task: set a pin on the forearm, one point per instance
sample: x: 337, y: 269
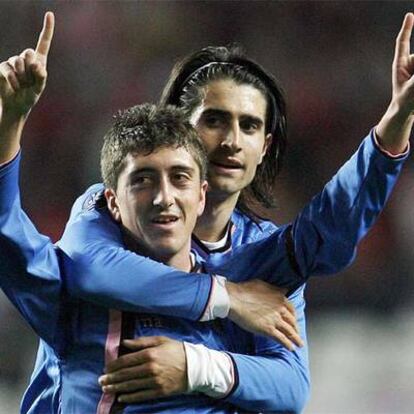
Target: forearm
x: 326, y: 233
x: 98, y: 268
x: 11, y: 128
x: 258, y: 374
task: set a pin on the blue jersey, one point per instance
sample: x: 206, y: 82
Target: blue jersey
x: 321, y: 240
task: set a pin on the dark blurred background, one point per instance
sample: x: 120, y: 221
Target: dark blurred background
x: 334, y: 62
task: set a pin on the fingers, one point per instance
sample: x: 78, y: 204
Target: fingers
x: 125, y: 361
x: 24, y: 71
x: 8, y: 78
x: 282, y: 339
x: 143, y: 342
x: 126, y: 374
x: 290, y: 315
x: 129, y: 386
x: 45, y: 37
x: 29, y: 58
x: 18, y: 65
x: 290, y: 333
x: 402, y: 46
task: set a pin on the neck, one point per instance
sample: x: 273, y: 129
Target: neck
x: 212, y: 225
x: 181, y: 260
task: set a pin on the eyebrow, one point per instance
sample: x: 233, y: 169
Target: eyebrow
x: 226, y: 114
x: 149, y: 170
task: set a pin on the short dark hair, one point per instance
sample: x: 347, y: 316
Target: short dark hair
x: 142, y: 129
x: 212, y: 63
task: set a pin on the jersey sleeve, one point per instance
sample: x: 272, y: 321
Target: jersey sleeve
x: 29, y: 263
x: 99, y: 269
x: 324, y: 236
x: 273, y: 379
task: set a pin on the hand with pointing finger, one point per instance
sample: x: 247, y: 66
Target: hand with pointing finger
x: 23, y: 77
x: 22, y: 81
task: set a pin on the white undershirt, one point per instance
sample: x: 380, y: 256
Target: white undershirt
x: 208, y: 371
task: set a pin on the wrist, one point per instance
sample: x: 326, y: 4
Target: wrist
x: 12, y: 120
x: 393, y: 130
x: 209, y: 371
x: 235, y: 300
x: 11, y: 128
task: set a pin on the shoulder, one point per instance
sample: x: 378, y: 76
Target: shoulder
x: 248, y: 229
x: 93, y: 198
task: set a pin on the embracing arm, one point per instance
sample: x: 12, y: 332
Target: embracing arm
x: 98, y: 268
x: 268, y: 379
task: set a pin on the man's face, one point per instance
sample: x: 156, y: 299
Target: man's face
x: 158, y: 199
x: 231, y: 122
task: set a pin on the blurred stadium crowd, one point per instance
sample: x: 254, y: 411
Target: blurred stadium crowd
x: 334, y: 61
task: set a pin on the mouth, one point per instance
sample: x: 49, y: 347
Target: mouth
x: 229, y: 164
x: 226, y: 167
x: 165, y: 221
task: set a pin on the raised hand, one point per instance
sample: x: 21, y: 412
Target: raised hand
x: 156, y: 369
x: 263, y: 309
x: 22, y: 81
x: 23, y: 77
x: 394, y: 129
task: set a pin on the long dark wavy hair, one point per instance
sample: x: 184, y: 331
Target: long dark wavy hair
x: 184, y: 89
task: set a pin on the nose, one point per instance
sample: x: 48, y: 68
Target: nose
x: 232, y: 138
x: 164, y: 196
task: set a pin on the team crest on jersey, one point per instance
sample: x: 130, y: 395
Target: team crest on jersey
x: 94, y: 200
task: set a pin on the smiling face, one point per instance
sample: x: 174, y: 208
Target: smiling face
x: 231, y: 122
x: 158, y: 199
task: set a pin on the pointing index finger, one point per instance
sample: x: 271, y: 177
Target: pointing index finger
x: 402, y: 47
x: 46, y: 35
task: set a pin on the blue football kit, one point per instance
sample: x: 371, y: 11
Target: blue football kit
x: 88, y: 293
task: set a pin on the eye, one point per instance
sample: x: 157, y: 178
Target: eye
x: 249, y: 126
x: 213, y: 121
x: 181, y: 178
x: 141, y: 180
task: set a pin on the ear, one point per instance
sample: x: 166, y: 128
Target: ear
x: 202, y: 203
x: 112, y: 204
x: 266, y: 146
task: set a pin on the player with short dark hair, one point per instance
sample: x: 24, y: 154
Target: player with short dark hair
x: 157, y: 128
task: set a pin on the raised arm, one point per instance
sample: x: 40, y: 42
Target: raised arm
x: 29, y: 264
x: 324, y: 236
